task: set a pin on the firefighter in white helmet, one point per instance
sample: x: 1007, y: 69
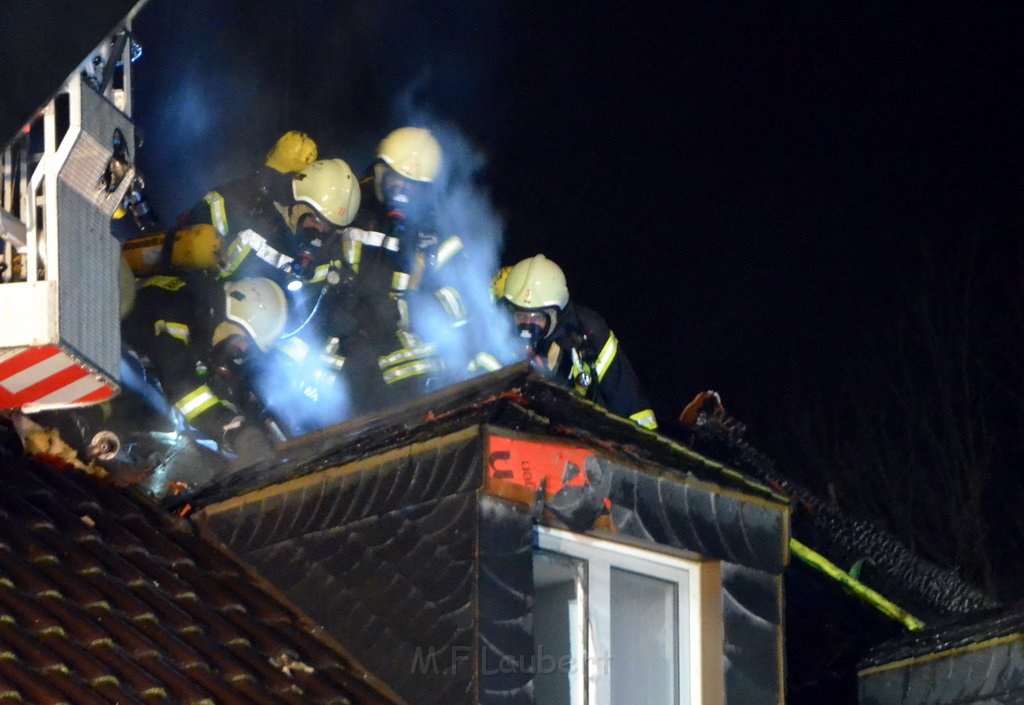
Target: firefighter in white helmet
x: 199, y: 340
x: 572, y: 342
x: 408, y: 301
x: 324, y: 197
x: 294, y: 251
x: 271, y: 221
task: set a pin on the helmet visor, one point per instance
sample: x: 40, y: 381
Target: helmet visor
x: 530, y: 320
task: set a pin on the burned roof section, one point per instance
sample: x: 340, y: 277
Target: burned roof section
x: 928, y: 591
x: 516, y: 398
x: 105, y: 598
x: 950, y: 634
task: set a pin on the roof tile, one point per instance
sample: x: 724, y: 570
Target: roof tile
x: 104, y: 597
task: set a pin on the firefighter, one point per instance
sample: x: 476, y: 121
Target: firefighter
x: 285, y: 242
x: 408, y: 301
x: 278, y: 240
x: 199, y: 340
x: 262, y: 217
x: 571, y: 342
x: 250, y: 199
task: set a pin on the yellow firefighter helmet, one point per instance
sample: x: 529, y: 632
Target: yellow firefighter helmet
x: 330, y: 187
x: 498, y: 284
x: 259, y: 306
x: 292, y: 153
x: 194, y: 247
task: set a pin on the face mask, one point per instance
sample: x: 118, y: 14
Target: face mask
x: 531, y: 326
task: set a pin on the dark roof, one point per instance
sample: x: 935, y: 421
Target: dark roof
x: 105, y: 598
x: 516, y: 398
x: 521, y: 399
x: 952, y: 633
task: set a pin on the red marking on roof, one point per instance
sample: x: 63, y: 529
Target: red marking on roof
x: 527, y: 463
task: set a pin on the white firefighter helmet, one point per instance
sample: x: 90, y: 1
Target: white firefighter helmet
x: 412, y: 152
x: 331, y: 188
x: 259, y: 306
x: 536, y: 282
x: 537, y: 285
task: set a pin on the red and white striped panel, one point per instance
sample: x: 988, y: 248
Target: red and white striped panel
x: 46, y: 377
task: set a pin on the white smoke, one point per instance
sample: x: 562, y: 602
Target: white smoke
x: 464, y: 208
x: 304, y: 397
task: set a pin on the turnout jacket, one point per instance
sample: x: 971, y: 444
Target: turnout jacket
x: 170, y: 328
x: 407, y: 287
x: 584, y: 352
x: 258, y: 241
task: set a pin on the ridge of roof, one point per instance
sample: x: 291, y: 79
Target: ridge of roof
x: 515, y: 397
x: 949, y: 635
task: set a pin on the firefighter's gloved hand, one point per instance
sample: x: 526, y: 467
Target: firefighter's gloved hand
x: 482, y: 363
x: 251, y: 443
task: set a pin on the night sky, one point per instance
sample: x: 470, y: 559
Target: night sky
x: 739, y: 190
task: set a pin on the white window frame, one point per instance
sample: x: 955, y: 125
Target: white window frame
x: 698, y: 610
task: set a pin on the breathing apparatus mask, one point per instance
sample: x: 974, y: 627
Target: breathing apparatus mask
x: 532, y: 326
x: 230, y: 362
x: 309, y: 244
x: 403, y: 197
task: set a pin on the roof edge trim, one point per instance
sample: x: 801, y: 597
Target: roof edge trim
x: 938, y: 655
x: 332, y: 471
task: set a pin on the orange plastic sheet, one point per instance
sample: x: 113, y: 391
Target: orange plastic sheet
x: 526, y: 463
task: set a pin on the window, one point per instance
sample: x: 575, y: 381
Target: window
x: 619, y: 625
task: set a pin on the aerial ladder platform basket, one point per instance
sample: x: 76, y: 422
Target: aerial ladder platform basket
x: 64, y: 175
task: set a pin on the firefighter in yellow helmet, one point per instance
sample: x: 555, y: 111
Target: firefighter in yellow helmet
x: 572, y: 342
x: 199, y: 340
x: 253, y: 195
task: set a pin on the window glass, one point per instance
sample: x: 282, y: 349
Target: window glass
x: 612, y: 624
x: 644, y: 639
x: 559, y: 636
